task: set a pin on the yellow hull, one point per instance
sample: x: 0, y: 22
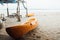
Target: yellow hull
x: 19, y: 30
x: 30, y: 14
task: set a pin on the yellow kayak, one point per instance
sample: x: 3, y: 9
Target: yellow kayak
x: 30, y: 14
x: 20, y: 30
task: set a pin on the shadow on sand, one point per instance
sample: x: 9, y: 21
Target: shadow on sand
x: 6, y: 37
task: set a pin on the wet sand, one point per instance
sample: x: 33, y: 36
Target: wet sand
x: 48, y: 28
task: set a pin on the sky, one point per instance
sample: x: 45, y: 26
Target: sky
x: 36, y: 4
x: 44, y: 4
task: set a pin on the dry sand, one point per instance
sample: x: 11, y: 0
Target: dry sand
x: 48, y: 28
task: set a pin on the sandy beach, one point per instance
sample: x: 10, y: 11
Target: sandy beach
x: 48, y: 28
